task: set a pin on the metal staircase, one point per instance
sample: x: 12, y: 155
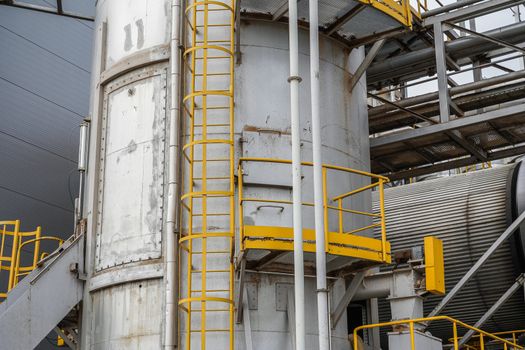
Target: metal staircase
x: 41, y: 300
x: 208, y: 225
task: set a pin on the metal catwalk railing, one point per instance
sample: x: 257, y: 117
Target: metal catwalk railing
x: 410, y: 325
x: 206, y: 244
x: 342, y: 241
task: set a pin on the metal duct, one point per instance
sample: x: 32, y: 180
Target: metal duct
x: 468, y: 211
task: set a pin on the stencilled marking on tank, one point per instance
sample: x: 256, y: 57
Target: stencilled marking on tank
x: 127, y: 42
x: 140, y: 33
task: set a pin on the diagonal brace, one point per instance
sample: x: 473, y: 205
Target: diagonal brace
x: 347, y: 298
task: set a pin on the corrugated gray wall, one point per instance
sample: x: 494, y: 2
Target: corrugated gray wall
x: 44, y: 95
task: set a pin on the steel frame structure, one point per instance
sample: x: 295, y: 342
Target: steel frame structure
x: 456, y: 125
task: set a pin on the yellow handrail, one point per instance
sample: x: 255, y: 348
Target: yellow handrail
x: 507, y: 345
x: 340, y: 209
x: 26, y: 270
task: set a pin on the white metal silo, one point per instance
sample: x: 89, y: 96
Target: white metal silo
x: 172, y: 117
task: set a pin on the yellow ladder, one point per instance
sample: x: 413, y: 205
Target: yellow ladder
x: 206, y: 244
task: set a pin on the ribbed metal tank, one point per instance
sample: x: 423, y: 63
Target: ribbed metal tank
x: 127, y: 178
x: 468, y: 212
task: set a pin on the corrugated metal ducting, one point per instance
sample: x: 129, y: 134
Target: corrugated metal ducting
x: 468, y: 212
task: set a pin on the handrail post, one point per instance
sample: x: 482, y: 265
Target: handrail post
x: 14, y: 251
x: 455, y: 332
x: 412, y: 340
x: 340, y: 206
x: 383, y: 219
x: 241, y: 211
x: 481, y: 342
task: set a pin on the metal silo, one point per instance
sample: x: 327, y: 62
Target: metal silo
x: 468, y: 212
x: 177, y: 119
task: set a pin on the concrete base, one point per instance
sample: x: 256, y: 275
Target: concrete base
x: 401, y: 341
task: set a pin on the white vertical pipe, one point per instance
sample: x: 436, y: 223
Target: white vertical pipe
x: 294, y: 80
x: 170, y: 326
x: 320, y: 253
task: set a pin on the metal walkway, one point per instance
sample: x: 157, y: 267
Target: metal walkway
x: 43, y: 298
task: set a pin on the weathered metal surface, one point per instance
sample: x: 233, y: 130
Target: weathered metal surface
x: 123, y: 300
x: 468, y: 212
x: 132, y: 169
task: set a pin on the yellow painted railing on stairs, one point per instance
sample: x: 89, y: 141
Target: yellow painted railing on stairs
x: 13, y: 243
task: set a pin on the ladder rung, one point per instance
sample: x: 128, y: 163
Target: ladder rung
x: 212, y: 74
x: 226, y: 41
x: 213, y: 252
x: 212, y: 310
x: 211, y: 178
x: 211, y: 291
x: 211, y: 125
x: 212, y: 160
x: 219, y: 9
x: 214, y: 58
x: 213, y: 107
x: 214, y: 25
x: 211, y: 271
x: 217, y: 330
x: 213, y: 214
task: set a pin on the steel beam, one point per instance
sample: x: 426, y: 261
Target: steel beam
x: 454, y: 163
x: 347, y: 298
x: 517, y: 110
x: 477, y: 266
x: 502, y: 300
x: 366, y: 63
x: 487, y: 37
x: 476, y: 151
x: 477, y: 9
x: 341, y: 21
x: 281, y: 10
x: 441, y: 70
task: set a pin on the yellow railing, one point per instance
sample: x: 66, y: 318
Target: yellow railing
x: 474, y: 344
x: 483, y: 336
x: 400, y: 10
x: 11, y: 258
x: 334, y: 240
x: 21, y: 271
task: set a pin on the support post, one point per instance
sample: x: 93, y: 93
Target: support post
x: 441, y: 71
x: 294, y: 80
x: 320, y: 241
x: 474, y: 269
x: 347, y: 298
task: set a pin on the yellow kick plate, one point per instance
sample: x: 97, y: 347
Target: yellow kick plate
x: 281, y: 238
x: 434, y: 265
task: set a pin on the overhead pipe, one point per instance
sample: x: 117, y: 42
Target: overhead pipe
x: 320, y: 252
x: 448, y: 8
x: 294, y: 80
x: 416, y: 64
x: 170, y: 326
x: 413, y: 101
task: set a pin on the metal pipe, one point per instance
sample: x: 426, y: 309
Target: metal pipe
x: 170, y: 326
x: 82, y: 165
x: 409, y: 102
x: 416, y: 64
x: 294, y: 80
x: 448, y: 8
x: 474, y: 269
x: 320, y: 251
